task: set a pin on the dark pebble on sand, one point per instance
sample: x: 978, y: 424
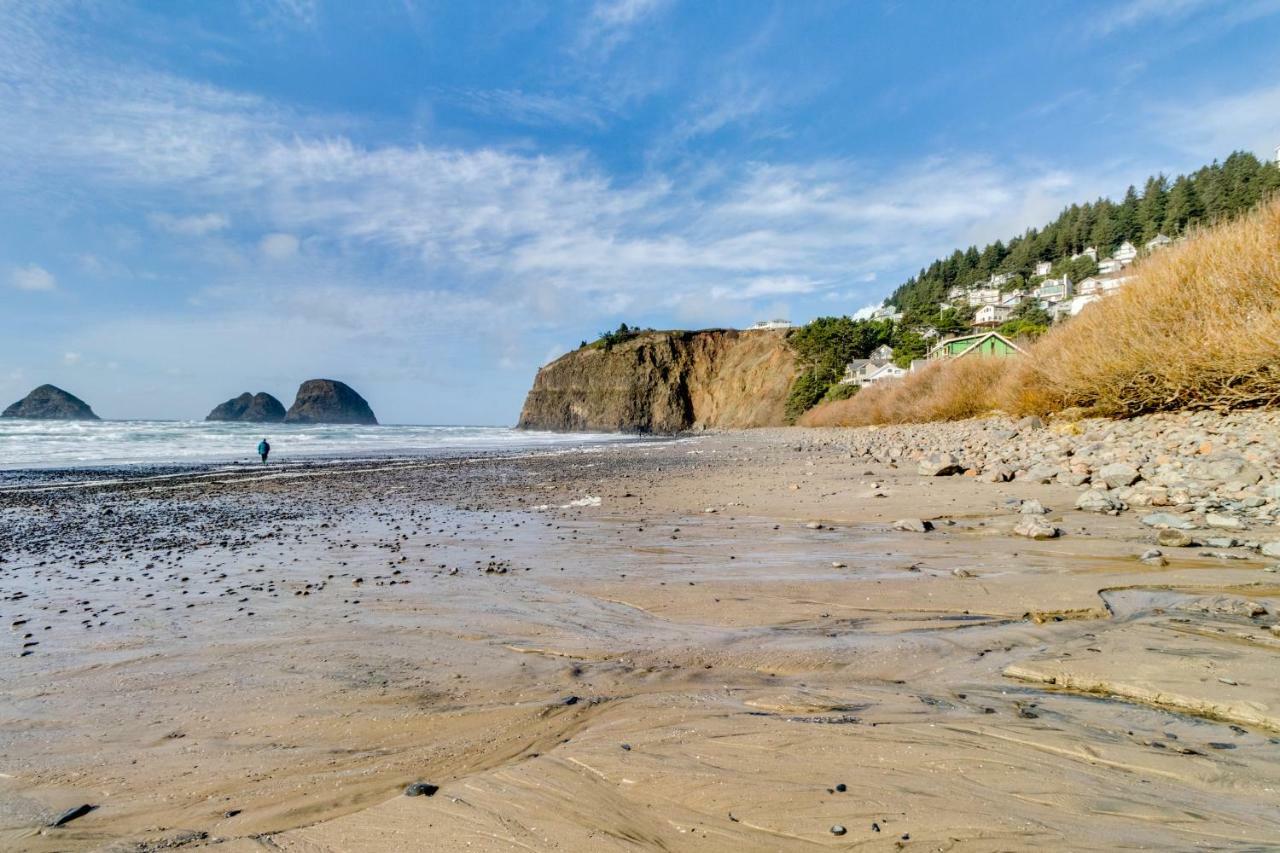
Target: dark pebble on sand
x: 842, y: 787
x: 421, y: 789
x: 73, y: 813
x: 570, y: 700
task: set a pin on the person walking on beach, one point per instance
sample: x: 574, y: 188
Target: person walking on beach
x: 263, y: 450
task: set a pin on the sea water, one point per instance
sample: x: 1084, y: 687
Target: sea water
x: 74, y: 444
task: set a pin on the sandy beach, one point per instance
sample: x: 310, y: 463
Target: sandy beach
x: 719, y: 642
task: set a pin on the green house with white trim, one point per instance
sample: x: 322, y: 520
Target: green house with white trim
x: 980, y: 343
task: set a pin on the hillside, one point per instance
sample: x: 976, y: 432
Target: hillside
x: 1198, y: 327
x: 1214, y: 193
x: 662, y: 382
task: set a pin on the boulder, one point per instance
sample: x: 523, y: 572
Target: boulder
x: 260, y: 408
x: 1223, y: 521
x: 328, y: 401
x: 1035, y: 527
x: 1118, y: 475
x: 913, y: 525
x: 48, y: 403
x: 1097, y: 500
x: 939, y: 465
x: 1173, y: 538
x: 1168, y: 520
x: 1271, y: 549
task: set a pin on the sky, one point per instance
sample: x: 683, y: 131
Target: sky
x: 428, y: 200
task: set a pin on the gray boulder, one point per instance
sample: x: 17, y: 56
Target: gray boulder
x: 49, y: 403
x: 1118, y: 474
x: 328, y: 401
x: 939, y: 465
x: 1168, y: 519
x: 1097, y: 500
x: 1035, y: 527
x: 260, y: 408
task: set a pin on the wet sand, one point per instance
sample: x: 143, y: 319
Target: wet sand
x: 256, y: 662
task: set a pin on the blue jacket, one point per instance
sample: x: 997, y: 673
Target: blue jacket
x: 263, y: 447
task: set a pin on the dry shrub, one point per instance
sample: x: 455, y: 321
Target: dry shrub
x: 942, y: 391
x: 1197, y: 327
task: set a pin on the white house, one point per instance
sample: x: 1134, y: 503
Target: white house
x: 884, y: 352
x: 984, y: 296
x: 1110, y: 265
x: 884, y: 373
x: 770, y: 324
x: 1091, y: 253
x: 1126, y: 253
x: 956, y: 294
x: 998, y: 279
x: 1101, y: 285
x: 929, y: 333
x: 992, y: 315
x: 1053, y: 290
x: 1014, y: 298
x: 1158, y: 242
x: 1044, y: 268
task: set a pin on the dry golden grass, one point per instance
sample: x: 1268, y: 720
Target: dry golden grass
x: 1197, y: 327
x: 943, y: 391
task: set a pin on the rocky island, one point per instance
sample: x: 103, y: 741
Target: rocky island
x: 50, y: 403
x: 666, y: 382
x: 328, y: 401
x: 261, y: 408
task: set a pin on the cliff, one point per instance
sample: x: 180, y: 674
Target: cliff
x: 259, y: 408
x: 666, y: 382
x: 50, y: 403
x: 328, y: 401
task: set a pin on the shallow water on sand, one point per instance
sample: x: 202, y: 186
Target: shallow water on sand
x: 59, y: 444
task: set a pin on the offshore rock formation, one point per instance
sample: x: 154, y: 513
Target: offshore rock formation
x: 666, y: 382
x: 328, y: 401
x: 49, y: 403
x: 260, y: 408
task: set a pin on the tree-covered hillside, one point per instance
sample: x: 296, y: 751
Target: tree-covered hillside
x: 1216, y: 192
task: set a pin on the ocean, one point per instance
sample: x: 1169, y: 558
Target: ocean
x: 27, y: 444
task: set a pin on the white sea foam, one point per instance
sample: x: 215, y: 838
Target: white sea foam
x: 66, y: 444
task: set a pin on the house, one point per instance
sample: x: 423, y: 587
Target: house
x: 887, y: 312
x: 1091, y: 253
x: 1044, y: 268
x: 1000, y: 279
x: 984, y: 296
x: 884, y: 352
x: 956, y: 294
x: 770, y: 324
x: 884, y: 373
x: 1126, y: 253
x: 1053, y: 290
x: 1013, y: 298
x: 1109, y: 265
x: 929, y: 333
x: 992, y: 315
x: 1101, y: 285
x: 979, y: 343
x: 1158, y: 242
x: 859, y: 370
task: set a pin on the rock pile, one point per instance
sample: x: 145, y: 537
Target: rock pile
x: 1186, y: 471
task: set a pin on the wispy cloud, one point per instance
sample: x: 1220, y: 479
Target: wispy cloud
x: 1209, y: 125
x: 612, y: 22
x: 196, y: 225
x: 534, y: 109
x: 33, y: 277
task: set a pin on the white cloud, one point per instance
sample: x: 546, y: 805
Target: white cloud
x: 611, y: 23
x: 1212, y: 126
x: 278, y: 247
x: 33, y: 277
x: 71, y: 358
x: 535, y: 109
x: 196, y: 225
x: 1144, y: 12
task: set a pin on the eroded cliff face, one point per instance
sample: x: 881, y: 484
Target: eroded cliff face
x: 666, y: 382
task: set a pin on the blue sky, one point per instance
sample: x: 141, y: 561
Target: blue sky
x: 428, y: 200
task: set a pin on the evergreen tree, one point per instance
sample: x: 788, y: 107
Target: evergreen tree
x: 1182, y: 208
x: 1151, y: 208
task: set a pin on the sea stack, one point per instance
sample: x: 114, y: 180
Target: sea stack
x: 260, y: 408
x: 328, y: 401
x: 49, y: 403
